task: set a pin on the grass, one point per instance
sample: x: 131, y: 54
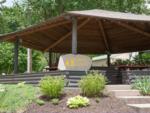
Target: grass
x: 15, y: 98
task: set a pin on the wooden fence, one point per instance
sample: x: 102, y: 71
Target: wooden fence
x: 113, y: 74
x: 72, y: 77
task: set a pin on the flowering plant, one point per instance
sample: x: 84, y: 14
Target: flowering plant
x: 78, y: 101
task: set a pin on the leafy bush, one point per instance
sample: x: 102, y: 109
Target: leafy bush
x: 21, y: 84
x: 52, y: 86
x: 55, y: 101
x: 142, y: 84
x: 92, y: 84
x: 40, y: 102
x: 78, y: 101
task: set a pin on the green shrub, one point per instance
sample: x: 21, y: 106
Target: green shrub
x: 52, y: 86
x: 55, y: 101
x: 92, y: 84
x: 21, y: 84
x: 78, y: 101
x: 142, y: 84
x: 40, y: 102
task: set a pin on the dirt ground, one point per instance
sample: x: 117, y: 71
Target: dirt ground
x: 106, y: 104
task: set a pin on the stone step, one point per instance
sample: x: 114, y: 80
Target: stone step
x: 141, y: 108
x: 73, y: 80
x: 118, y: 87
x: 75, y: 77
x: 125, y: 92
x: 135, y: 99
x: 73, y: 85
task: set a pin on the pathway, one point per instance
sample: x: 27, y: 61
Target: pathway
x: 131, y: 97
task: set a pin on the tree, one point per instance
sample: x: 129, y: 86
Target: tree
x: 14, y: 19
x: 143, y: 59
x: 2, y: 1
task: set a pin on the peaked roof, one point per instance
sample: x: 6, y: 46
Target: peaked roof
x: 112, y: 15
x: 99, y: 31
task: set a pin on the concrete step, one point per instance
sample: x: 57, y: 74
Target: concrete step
x: 75, y: 77
x: 118, y: 87
x: 135, y: 99
x: 73, y: 85
x: 74, y: 81
x: 125, y: 92
x: 141, y: 108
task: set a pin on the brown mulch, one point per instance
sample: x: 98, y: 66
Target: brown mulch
x: 107, y: 104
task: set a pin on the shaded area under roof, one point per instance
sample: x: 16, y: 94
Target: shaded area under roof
x: 99, y: 31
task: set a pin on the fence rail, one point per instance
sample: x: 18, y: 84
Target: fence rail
x: 114, y: 76
x: 72, y: 76
x: 34, y: 78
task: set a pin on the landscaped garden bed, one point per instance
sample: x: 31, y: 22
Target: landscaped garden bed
x: 105, y: 104
x: 90, y: 97
x: 52, y: 97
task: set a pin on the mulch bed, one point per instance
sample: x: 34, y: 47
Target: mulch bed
x: 107, y: 104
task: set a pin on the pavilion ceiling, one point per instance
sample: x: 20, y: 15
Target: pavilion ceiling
x: 99, y: 31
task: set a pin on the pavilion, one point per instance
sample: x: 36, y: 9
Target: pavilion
x: 85, y: 32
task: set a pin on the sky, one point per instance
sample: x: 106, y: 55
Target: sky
x: 9, y: 2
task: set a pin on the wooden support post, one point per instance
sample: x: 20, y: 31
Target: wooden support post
x: 50, y: 59
x: 74, y: 35
x: 108, y: 59
x: 16, y: 53
x: 29, y: 60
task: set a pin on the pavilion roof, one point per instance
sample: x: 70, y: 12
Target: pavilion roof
x: 99, y: 31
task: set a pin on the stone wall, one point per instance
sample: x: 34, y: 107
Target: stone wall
x: 129, y: 76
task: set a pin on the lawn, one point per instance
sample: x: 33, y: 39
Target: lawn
x: 16, y: 97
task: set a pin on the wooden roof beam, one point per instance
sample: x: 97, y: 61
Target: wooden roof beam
x: 31, y: 30
x: 104, y: 35
x: 36, y: 28
x: 66, y: 36
x: 30, y: 44
x: 132, y: 28
x: 46, y: 36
